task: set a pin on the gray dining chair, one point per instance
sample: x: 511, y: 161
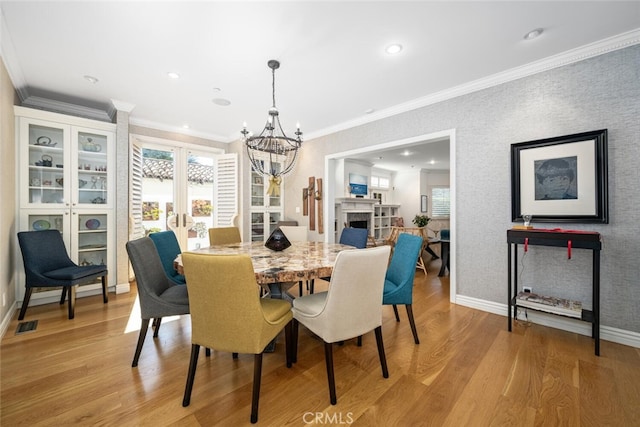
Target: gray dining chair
x: 159, y: 296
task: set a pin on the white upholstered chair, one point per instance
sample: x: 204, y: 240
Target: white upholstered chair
x: 350, y: 308
x: 295, y: 233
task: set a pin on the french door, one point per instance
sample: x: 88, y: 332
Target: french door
x: 187, y: 189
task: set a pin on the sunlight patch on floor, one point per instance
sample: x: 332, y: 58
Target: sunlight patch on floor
x: 135, y: 319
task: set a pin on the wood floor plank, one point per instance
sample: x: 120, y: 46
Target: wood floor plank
x: 467, y: 370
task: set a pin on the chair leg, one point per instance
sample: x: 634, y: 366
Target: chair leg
x: 300, y: 287
x: 72, y: 301
x: 105, y: 296
x: 359, y: 340
x: 156, y: 323
x: 25, y: 302
x: 294, y: 341
x: 288, y: 339
x: 395, y: 311
x: 193, y: 364
x: 234, y: 356
x: 207, y: 352
x: 328, y: 356
x: 64, y: 295
x: 257, y: 375
x: 383, y: 358
x: 313, y: 282
x: 143, y: 333
x: 412, y: 323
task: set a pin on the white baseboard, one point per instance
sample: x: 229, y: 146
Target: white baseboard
x: 7, y: 319
x: 123, y: 288
x: 607, y: 333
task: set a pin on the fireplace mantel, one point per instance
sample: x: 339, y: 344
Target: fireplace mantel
x: 350, y: 209
x: 354, y: 204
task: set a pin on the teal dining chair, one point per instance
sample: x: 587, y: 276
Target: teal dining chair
x: 398, y: 284
x: 168, y: 248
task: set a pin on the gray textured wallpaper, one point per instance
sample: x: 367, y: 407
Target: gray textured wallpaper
x: 597, y: 93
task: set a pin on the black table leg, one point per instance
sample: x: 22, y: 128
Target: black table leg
x: 444, y: 245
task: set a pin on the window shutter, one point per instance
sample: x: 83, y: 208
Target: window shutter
x: 225, y: 205
x: 136, y: 230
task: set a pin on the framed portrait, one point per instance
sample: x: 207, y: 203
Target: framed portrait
x: 561, y: 179
x: 423, y: 203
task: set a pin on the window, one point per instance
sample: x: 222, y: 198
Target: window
x: 379, y: 182
x: 440, y: 202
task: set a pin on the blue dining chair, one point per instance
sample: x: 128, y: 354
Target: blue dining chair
x: 47, y: 265
x: 398, y: 284
x: 168, y: 248
x: 356, y: 237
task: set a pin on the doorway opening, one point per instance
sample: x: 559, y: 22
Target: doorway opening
x: 332, y: 166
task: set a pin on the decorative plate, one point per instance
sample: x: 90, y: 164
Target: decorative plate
x: 92, y: 224
x: 41, y: 224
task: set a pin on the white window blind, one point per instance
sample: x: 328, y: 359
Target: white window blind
x: 440, y: 202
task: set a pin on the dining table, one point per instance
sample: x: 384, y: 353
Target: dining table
x: 277, y: 271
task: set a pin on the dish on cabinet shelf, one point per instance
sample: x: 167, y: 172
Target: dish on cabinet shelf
x: 92, y: 224
x: 45, y: 141
x: 41, y: 224
x: 94, y: 246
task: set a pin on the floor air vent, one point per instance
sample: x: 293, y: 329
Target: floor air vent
x: 25, y: 327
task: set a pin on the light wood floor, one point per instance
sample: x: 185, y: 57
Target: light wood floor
x: 467, y: 371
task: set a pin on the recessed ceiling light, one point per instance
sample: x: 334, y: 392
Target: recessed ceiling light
x: 221, y: 101
x: 91, y: 79
x: 173, y: 75
x: 393, y: 49
x: 533, y: 34
x: 406, y: 153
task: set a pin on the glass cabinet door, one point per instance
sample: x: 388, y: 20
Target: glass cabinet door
x: 263, y: 224
x: 257, y: 189
x: 92, y: 238
x: 46, y: 169
x: 91, y: 162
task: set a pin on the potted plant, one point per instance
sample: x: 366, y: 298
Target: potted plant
x: 421, y: 220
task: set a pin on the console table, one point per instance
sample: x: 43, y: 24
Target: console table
x: 568, y: 239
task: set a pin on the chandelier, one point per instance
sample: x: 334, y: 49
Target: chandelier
x: 272, y: 153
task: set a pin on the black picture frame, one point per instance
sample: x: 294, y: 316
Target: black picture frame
x: 561, y: 179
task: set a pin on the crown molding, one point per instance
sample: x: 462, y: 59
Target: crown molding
x: 180, y: 130
x: 582, y: 53
x: 66, y: 108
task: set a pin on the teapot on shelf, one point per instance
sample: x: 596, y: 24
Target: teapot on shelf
x: 91, y: 146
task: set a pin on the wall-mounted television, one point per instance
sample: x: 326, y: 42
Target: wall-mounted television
x: 358, y: 184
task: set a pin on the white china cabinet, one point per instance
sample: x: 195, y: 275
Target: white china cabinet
x: 266, y: 208
x: 67, y: 182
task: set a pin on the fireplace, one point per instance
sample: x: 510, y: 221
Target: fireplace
x: 356, y: 213
x: 358, y: 224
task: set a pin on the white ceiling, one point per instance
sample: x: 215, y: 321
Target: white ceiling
x: 334, y: 67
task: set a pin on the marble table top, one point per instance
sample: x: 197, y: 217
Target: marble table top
x: 301, y: 261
